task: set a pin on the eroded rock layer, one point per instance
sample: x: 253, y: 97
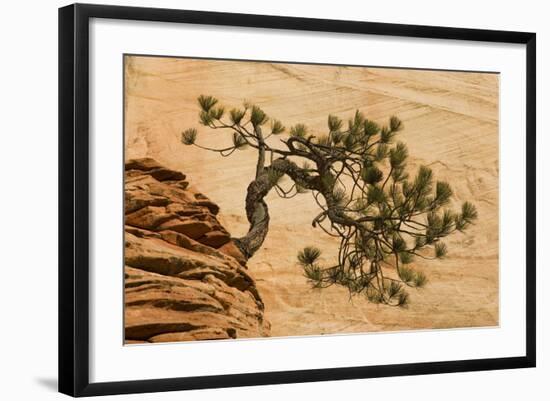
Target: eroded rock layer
x: 184, y: 277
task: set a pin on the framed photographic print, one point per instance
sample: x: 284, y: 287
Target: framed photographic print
x: 249, y: 199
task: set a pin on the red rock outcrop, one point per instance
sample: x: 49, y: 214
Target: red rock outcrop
x: 184, y: 277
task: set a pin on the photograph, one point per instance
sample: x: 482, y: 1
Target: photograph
x: 266, y: 201
x: 280, y: 199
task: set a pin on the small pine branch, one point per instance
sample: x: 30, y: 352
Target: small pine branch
x: 406, y: 274
x: 334, y: 123
x: 309, y: 255
x: 403, y: 300
x: 299, y: 130
x: 394, y: 289
x: 399, y: 244
x: 373, y: 295
x: 336, y: 137
x: 398, y: 155
x: 314, y: 274
x: 443, y: 192
x: 440, y: 250
x: 339, y: 195
x: 423, y: 180
x: 258, y: 116
x: 372, y: 175
x: 381, y: 152
x: 217, y: 113
x: 395, y: 124
x: 371, y: 128
x: 420, y: 279
x: 205, y: 118
x: 207, y: 102
x: 469, y: 212
x: 277, y: 127
x: 189, y: 136
x: 375, y: 194
x: 236, y: 116
x: 386, y: 135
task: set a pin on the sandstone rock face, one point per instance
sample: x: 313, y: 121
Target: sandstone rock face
x: 451, y: 125
x: 184, y: 277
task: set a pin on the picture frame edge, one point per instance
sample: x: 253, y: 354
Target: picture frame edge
x: 73, y: 192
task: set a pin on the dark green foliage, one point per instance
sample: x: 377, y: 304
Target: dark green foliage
x: 237, y: 115
x: 207, y: 102
x: 371, y: 128
x: 372, y: 175
x: 386, y: 135
x: 440, y: 250
x: 469, y: 213
x: 334, y: 123
x: 374, y: 296
x: 399, y: 244
x: 375, y: 195
x: 395, y: 124
x: 299, y: 130
x: 277, y: 127
x: 328, y: 181
x: 406, y: 274
x: 385, y: 215
x: 381, y: 152
x: 423, y: 181
x: 339, y: 196
x: 349, y: 141
x: 337, y: 137
x: 314, y: 274
x: 309, y: 255
x: 443, y: 193
x: 405, y: 257
x: 209, y: 113
x: 394, y: 289
x: 398, y: 155
x: 403, y: 300
x: 355, y: 124
x: 189, y: 136
x: 467, y: 217
x: 257, y: 116
x: 217, y: 113
x: 206, y: 118
x: 420, y: 279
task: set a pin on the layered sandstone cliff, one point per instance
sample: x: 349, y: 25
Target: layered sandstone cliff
x: 184, y: 277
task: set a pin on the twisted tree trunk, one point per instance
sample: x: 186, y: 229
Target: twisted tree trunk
x: 257, y: 211
x: 257, y: 214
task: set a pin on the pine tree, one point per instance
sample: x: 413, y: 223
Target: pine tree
x: 358, y: 176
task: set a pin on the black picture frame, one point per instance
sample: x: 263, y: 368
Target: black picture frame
x: 74, y: 194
